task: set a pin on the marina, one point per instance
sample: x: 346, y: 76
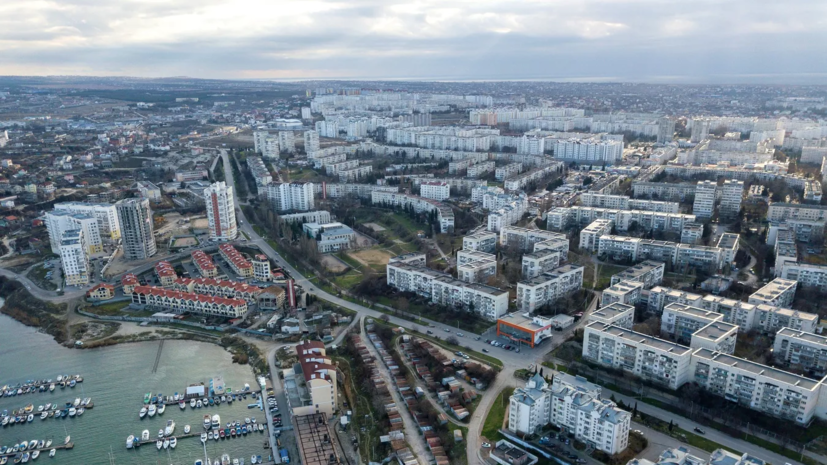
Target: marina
x: 41, y: 447
x: 46, y: 385
x: 110, y: 376
x: 30, y: 413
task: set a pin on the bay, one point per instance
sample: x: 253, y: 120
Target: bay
x: 116, y: 378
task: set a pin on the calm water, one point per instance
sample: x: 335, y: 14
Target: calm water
x: 116, y: 378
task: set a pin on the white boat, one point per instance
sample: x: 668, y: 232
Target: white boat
x: 30, y: 417
x: 216, y: 436
x: 40, y: 444
x: 192, y: 403
x: 209, y: 435
x: 76, y: 402
x: 80, y: 411
x: 207, y: 422
x: 199, y: 404
x: 170, y: 428
x: 48, y: 407
x: 48, y: 444
x: 51, y: 387
x: 39, y: 408
x: 216, y: 421
x: 130, y: 441
x: 145, y: 435
x: 160, y: 434
x: 151, y: 411
x: 66, y: 441
x: 52, y: 452
x: 182, y: 405
x: 44, y: 415
x: 235, y: 461
x: 173, y: 442
x: 161, y: 409
x: 203, y: 437
x: 166, y: 443
x: 159, y: 444
x: 35, y: 454
x: 72, y: 412
x: 33, y: 444
x: 186, y: 429
x: 225, y: 459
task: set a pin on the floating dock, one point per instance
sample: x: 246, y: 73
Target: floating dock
x: 45, y: 450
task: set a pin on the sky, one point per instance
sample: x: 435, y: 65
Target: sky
x: 579, y: 40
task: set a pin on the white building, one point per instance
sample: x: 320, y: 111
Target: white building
x: 615, y: 314
x: 731, y: 194
x: 624, y: 292
x: 729, y: 244
x: 590, y: 235
x: 589, y: 151
x: 73, y: 258
x: 475, y: 267
x: 318, y: 216
x: 681, y: 321
x: 311, y: 140
x: 137, y: 229
x: 755, y: 386
x: 220, y: 202
x: 652, y: 359
x: 800, y: 349
x: 57, y: 222
x: 435, y: 190
x: 705, y: 195
x: 648, y: 272
x: 525, y: 238
x: 483, y: 241
x: 508, y: 170
x: 106, y: 214
x: 778, y: 292
x: 535, y: 292
x: 807, y: 274
x: 330, y: 237
x: 296, y: 196
x: 537, y: 263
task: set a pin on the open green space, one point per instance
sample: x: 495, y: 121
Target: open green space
x: 38, y: 276
x: 413, y: 310
x: 496, y: 416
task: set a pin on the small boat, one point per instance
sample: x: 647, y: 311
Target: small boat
x: 161, y: 409
x: 130, y: 441
x: 199, y: 404
x: 186, y: 429
x: 216, y: 462
x: 222, y: 434
x: 72, y: 383
x: 203, y: 437
x: 52, y: 452
x: 48, y: 406
x: 66, y: 441
x: 39, y: 408
x: 35, y: 454
x: 72, y: 412
x: 252, y: 405
x: 199, y: 462
x: 243, y: 429
x: 175, y: 396
x: 40, y: 444
x: 28, y: 408
x: 254, y: 419
x: 258, y: 458
x: 227, y: 432
x: 232, y: 432
x: 247, y: 421
x: 192, y: 403
x: 48, y: 444
x: 235, y: 461
x: 225, y: 459
x: 170, y: 428
x: 80, y: 411
x: 25, y: 457
x: 159, y: 444
x: 147, y: 397
x: 166, y: 443
x: 212, y: 401
x: 207, y: 422
x: 151, y: 411
x: 33, y: 444
x: 173, y: 442
x: 160, y: 434
x: 145, y: 435
x: 52, y: 387
x: 216, y: 421
x: 216, y: 436
x: 209, y: 435
x: 76, y: 403
x: 252, y: 459
x: 44, y: 415
x: 30, y: 417
x: 182, y: 405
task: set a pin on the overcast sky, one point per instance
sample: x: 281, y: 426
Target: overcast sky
x: 649, y: 40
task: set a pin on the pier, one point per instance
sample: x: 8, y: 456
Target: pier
x: 32, y: 387
x: 45, y: 450
x: 178, y: 437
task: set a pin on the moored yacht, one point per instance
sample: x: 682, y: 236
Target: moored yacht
x: 130, y: 441
x: 170, y: 428
x: 216, y: 421
x: 151, y: 411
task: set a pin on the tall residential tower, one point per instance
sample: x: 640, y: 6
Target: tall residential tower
x: 136, y: 228
x: 220, y: 203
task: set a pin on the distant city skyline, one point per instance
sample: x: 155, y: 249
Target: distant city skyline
x: 732, y: 41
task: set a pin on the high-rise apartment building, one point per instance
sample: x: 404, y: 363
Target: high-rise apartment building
x: 137, y: 230
x: 57, y: 222
x: 73, y: 258
x: 666, y: 130
x: 731, y: 195
x: 287, y: 141
x: 291, y: 196
x: 104, y: 213
x: 311, y: 141
x: 700, y: 130
x: 704, y: 205
x: 220, y: 202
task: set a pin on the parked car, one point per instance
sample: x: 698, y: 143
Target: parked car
x: 699, y: 431
x: 447, y: 330
x: 485, y: 350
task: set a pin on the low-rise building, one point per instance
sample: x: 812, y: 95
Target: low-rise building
x: 204, y: 264
x: 537, y: 291
x: 240, y: 265
x: 101, y: 291
x: 778, y: 292
x: 319, y: 216
x: 625, y: 292
x: 590, y: 235
x: 261, y: 268
x: 331, y: 237
x: 525, y: 328
x: 507, y: 453
x: 129, y: 281
x: 185, y: 302
x: 218, y: 287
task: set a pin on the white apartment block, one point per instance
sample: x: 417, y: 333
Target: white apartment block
x: 590, y: 151
x: 812, y: 191
x: 260, y: 172
x: 705, y: 195
x: 480, y: 169
x: 615, y: 314
x: 287, y: 141
x: 635, y: 249
x: 800, y: 349
x: 755, y: 386
x: 445, y: 215
x: 435, y: 190
x: 520, y: 181
x: 334, y: 168
x: 779, y: 212
x: 654, y: 206
x: 220, y: 203
x: 778, y: 292
x: 106, y: 214
x: 662, y: 190
x: 593, y: 199
x: 74, y: 258
x: 558, y: 244
x: 660, y: 297
x: 57, y: 222
x: 729, y: 244
x: 537, y: 263
x: 652, y: 359
x: 335, y: 191
x: 537, y: 291
x: 530, y: 407
x: 807, y: 274
x: 526, y: 238
x: 732, y: 192
x: 648, y: 272
x: 479, y: 192
x: 311, y: 141
x: 503, y: 172
x: 355, y: 174
x: 770, y: 319
x: 472, y: 140
x: 483, y: 241
x: 505, y: 216
x: 261, y: 268
x: 296, y: 196
x: 717, y: 337
x: 624, y: 292
x: 270, y: 148
x: 562, y: 217
x: 681, y: 321
x: 813, y: 154
x: 327, y: 160
x: 475, y: 267
x: 590, y: 235
x: 318, y: 216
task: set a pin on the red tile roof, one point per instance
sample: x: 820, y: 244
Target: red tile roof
x: 164, y: 269
x: 233, y: 255
x: 202, y: 260
x: 129, y: 279
x: 157, y: 291
x: 241, y: 287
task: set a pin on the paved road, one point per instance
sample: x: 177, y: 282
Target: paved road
x: 51, y: 296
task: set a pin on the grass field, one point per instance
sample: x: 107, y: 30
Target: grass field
x: 38, y: 276
x: 496, y: 416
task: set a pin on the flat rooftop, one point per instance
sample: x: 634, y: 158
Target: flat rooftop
x: 640, y: 269
x: 315, y: 441
x: 639, y: 339
x: 525, y: 321
x: 728, y: 241
x: 774, y: 288
x: 693, y: 312
x: 715, y: 331
x: 612, y: 311
x: 624, y: 286
x: 803, y: 335
x: 757, y: 369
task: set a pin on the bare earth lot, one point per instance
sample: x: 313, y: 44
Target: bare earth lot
x: 185, y: 241
x: 333, y: 264
x: 375, y: 227
x: 371, y: 256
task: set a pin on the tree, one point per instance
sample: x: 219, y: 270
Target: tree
x: 452, y: 340
x: 385, y: 318
x: 634, y: 411
x: 670, y: 426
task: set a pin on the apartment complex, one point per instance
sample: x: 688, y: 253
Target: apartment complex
x: 294, y: 196
x: 705, y: 196
x: 679, y: 255
x: 732, y: 192
x: 648, y: 272
x: 435, y: 190
x: 137, y: 229
x: 615, y: 314
x: 475, y: 267
x: 106, y: 215
x: 563, y: 217
x: 74, y: 258
x: 590, y: 235
x: 204, y: 264
x: 165, y: 273
x: 624, y: 202
x: 537, y: 263
x: 186, y: 302
x: 220, y: 202
x: 624, y: 292
x: 240, y: 265
x: 535, y: 292
x: 778, y: 292
x: 803, y: 350
x: 483, y: 241
x: 807, y: 274
x: 59, y: 221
